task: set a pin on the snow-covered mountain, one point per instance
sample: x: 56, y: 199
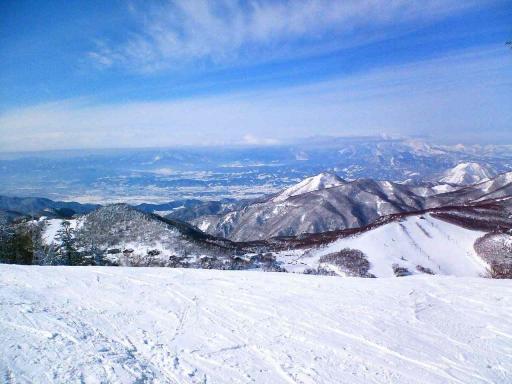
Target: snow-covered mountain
x: 140, y: 325
x: 204, y: 173
x: 416, y: 244
x: 363, y: 228
x: 499, y: 187
x: 438, y: 241
x: 321, y: 181
x: 346, y: 205
x: 123, y: 235
x: 467, y: 173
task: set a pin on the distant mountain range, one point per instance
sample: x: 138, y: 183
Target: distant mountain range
x: 20, y: 207
x: 161, y: 175
x: 326, y: 203
x: 17, y: 207
x: 324, y: 224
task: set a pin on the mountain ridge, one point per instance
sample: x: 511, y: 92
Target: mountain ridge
x: 348, y: 205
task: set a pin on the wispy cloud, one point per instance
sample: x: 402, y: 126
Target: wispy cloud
x: 205, y: 32
x: 464, y: 96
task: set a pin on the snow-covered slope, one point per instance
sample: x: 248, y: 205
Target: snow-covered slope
x: 52, y: 227
x: 140, y: 325
x: 310, y: 184
x: 467, y: 173
x: 417, y: 243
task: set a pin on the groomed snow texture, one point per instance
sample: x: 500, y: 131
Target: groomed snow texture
x: 159, y: 325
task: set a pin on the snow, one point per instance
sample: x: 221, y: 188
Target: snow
x: 159, y: 325
x: 310, y: 184
x: 53, y: 226
x: 423, y: 148
x: 443, y: 188
x: 50, y: 231
x: 445, y: 248
x: 203, y: 225
x: 164, y: 212
x: 467, y: 173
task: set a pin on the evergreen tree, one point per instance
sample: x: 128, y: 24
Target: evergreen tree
x: 67, y: 248
x: 22, y: 245
x: 6, y: 238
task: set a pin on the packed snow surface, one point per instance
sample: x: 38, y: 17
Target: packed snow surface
x: 158, y: 325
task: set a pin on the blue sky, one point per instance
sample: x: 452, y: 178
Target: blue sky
x: 88, y: 74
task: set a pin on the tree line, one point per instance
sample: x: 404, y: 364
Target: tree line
x: 22, y: 243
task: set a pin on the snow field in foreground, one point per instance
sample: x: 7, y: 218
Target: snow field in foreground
x: 158, y: 325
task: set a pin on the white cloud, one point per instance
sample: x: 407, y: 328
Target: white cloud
x: 466, y: 96
x: 228, y: 31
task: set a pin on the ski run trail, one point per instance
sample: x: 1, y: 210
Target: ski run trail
x: 160, y: 325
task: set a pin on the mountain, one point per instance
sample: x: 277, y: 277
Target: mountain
x: 402, y: 245
x: 345, y: 205
x: 324, y: 224
x: 348, y: 205
x: 467, y: 173
x: 186, y: 212
x: 499, y: 187
x: 124, y: 235
x: 38, y: 206
x: 469, y: 240
x: 321, y: 181
x: 206, y: 173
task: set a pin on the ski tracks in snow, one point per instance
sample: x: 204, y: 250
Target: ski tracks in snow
x: 129, y: 325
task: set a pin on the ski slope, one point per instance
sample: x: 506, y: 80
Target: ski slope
x: 159, y: 325
x: 444, y: 248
